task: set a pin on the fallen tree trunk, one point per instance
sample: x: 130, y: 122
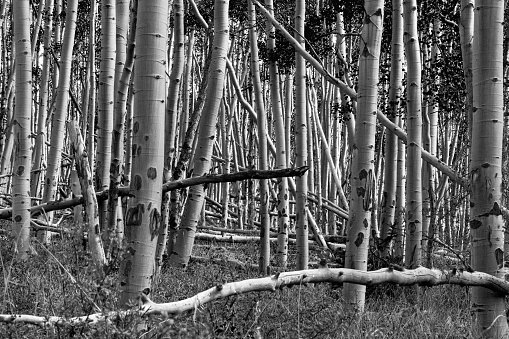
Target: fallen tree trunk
x: 419, y: 276
x: 6, y: 213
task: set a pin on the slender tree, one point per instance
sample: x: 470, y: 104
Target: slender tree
x: 301, y: 126
x: 264, y: 261
x: 277, y: 113
x: 414, y: 131
x: 391, y: 140
x: 206, y: 136
x: 62, y: 100
x: 22, y: 123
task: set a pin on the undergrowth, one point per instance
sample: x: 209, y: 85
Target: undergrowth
x: 60, y: 281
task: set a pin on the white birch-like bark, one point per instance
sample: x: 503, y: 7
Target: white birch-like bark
x: 22, y: 129
x: 486, y: 222
x: 363, y: 173
x: 283, y: 219
x: 264, y: 260
x: 414, y: 130
x: 62, y: 101
x: 301, y: 126
x: 206, y: 135
x: 391, y: 140
x: 143, y: 217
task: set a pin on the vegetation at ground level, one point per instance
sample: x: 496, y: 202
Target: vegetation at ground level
x: 59, y: 281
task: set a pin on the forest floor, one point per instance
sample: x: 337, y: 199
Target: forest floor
x: 57, y: 281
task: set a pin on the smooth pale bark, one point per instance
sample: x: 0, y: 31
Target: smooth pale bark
x: 414, y: 130
x: 91, y: 84
x: 399, y: 214
x: 486, y: 222
x: 301, y: 126
x: 466, y: 30
x: 143, y: 216
x: 90, y: 199
x: 40, y: 141
x: 105, y: 103
x: 178, y: 62
x: 391, y: 140
x: 264, y: 260
x: 62, y: 101
x: 283, y: 205
x: 21, y: 128
x: 206, y: 135
x: 115, y: 227
x: 420, y: 276
x: 171, y: 125
x: 362, y: 178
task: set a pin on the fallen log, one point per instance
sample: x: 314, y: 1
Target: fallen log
x: 179, y: 184
x: 419, y: 276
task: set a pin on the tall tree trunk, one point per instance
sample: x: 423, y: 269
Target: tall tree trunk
x: 22, y: 128
x: 391, y: 141
x: 283, y: 205
x: 486, y: 222
x: 40, y: 142
x: 414, y: 130
x: 171, y: 119
x: 363, y: 172
x: 206, y: 136
x: 114, y: 230
x: 62, y: 101
x: 264, y: 260
x: 105, y: 101
x: 143, y: 216
x: 301, y: 157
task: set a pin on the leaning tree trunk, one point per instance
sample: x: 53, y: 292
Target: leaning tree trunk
x: 414, y: 129
x: 40, y: 141
x: 143, y: 216
x: 486, y: 222
x: 22, y: 119
x: 363, y: 172
x: 206, y: 136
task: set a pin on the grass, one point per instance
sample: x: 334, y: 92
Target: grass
x: 61, y: 283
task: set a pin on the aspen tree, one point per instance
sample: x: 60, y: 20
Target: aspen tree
x: 143, y: 217
x: 486, y: 222
x: 301, y: 157
x: 206, y: 136
x: 40, y: 141
x: 264, y: 260
x: 62, y: 101
x: 391, y: 140
x: 115, y: 218
x: 363, y: 173
x: 172, y: 113
x: 105, y: 102
x: 414, y: 130
x: 283, y: 219
x: 21, y: 125
x: 91, y: 85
